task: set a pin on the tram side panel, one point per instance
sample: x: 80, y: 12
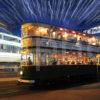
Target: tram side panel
x: 54, y: 72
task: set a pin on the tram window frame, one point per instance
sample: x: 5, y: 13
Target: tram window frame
x: 0, y: 36
x: 1, y: 46
x: 10, y: 38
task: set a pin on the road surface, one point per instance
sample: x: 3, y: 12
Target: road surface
x: 10, y: 91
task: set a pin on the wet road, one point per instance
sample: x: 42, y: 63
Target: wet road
x: 75, y: 94
x: 90, y: 91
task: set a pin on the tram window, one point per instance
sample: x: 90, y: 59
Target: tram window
x: 30, y: 56
x: 19, y: 41
x: 0, y: 36
x: 30, y: 59
x: 1, y: 46
x: 23, y: 57
x: 10, y: 38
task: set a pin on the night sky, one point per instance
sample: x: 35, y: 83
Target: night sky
x: 72, y: 14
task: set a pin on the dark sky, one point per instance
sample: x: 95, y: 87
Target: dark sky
x: 72, y: 14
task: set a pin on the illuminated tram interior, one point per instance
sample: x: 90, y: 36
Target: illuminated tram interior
x: 47, y: 45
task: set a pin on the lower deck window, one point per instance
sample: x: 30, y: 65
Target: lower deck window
x: 43, y: 57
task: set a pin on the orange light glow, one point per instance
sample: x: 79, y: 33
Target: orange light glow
x: 65, y: 35
x: 42, y: 29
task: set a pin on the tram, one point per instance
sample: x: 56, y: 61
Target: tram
x: 50, y: 53
x: 9, y: 50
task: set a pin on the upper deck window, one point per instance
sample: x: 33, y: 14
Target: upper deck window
x: 0, y: 36
x: 10, y: 39
x: 53, y: 32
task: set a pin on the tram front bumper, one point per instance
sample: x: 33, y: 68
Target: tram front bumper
x: 26, y: 81
x: 23, y: 80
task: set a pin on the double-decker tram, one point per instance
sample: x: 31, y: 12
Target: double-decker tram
x: 9, y: 51
x: 53, y: 53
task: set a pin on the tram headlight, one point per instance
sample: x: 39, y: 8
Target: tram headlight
x: 21, y: 72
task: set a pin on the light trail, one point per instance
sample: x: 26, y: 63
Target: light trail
x: 51, y: 11
x: 62, y: 11
x: 67, y: 13
x: 88, y: 10
x: 58, y: 9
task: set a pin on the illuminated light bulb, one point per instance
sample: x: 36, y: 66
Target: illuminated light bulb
x: 78, y: 37
x: 29, y: 27
x: 93, y: 43
x: 60, y: 29
x: 84, y: 34
x: 65, y: 35
x: 93, y: 39
x: 21, y: 72
x: 74, y: 35
x: 73, y: 32
x: 54, y: 33
x: 41, y: 29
